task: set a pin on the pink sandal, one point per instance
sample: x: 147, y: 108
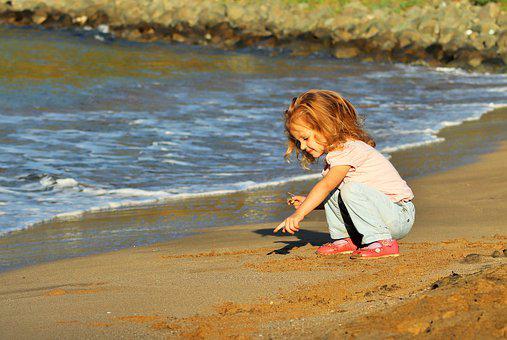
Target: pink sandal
x: 382, y: 248
x: 342, y: 246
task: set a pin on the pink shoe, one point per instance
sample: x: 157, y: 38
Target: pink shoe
x: 382, y: 248
x: 342, y: 246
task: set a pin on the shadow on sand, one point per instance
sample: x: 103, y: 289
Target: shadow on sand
x: 315, y: 238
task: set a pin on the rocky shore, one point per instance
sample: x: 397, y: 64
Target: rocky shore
x: 436, y: 33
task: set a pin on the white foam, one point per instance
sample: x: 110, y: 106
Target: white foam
x: 103, y: 29
x: 452, y: 70
x: 160, y: 197
x: 137, y: 122
x: 163, y: 143
x: 60, y: 183
x: 47, y: 181
x: 498, y: 89
x: 497, y: 106
x: 446, y: 123
x: 66, y: 183
x: 172, y: 161
x: 7, y: 191
x: 2, y: 213
x: 411, y: 145
x: 127, y: 192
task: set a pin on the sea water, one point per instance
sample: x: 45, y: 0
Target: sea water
x: 91, y: 125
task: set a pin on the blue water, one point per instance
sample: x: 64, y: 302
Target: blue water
x: 87, y: 125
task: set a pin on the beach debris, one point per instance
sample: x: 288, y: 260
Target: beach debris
x: 472, y: 258
x: 448, y: 280
x: 499, y: 253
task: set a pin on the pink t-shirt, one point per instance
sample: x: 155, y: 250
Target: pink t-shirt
x: 370, y: 167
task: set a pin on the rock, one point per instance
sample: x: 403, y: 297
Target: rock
x: 346, y: 23
x: 474, y: 62
x: 472, y: 258
x: 80, y: 20
x: 345, y: 52
x: 505, y: 252
x: 341, y: 36
x: 453, y: 278
x: 489, y: 11
x: 502, y: 19
x: 446, y: 36
x: 409, y: 37
x: 502, y: 43
x: 354, y: 9
x: 497, y: 253
x: 213, y: 14
x: 429, y: 26
x: 40, y: 14
x: 178, y: 38
x: 372, y: 31
x: 98, y: 18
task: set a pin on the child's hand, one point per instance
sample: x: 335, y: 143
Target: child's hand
x: 296, y: 201
x: 291, y: 224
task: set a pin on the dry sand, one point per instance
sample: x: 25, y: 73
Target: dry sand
x: 245, y: 282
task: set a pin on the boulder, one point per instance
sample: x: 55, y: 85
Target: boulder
x: 501, y: 20
x: 502, y: 43
x: 345, y: 52
x: 40, y: 14
x: 213, y: 14
x: 475, y: 60
x: 409, y: 37
x: 354, y: 9
x: 489, y: 12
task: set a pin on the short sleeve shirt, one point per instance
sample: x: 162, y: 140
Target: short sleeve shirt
x: 370, y: 167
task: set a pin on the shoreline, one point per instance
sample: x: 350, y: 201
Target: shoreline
x: 456, y: 34
x: 472, y: 137
x: 244, y: 281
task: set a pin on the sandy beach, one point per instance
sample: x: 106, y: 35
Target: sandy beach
x: 245, y: 282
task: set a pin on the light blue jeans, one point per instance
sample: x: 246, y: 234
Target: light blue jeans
x: 372, y: 214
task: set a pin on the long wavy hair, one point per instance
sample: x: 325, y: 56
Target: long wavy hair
x: 328, y: 113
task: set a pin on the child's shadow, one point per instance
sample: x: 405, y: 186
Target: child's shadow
x: 315, y: 238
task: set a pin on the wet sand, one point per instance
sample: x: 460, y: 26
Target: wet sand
x: 243, y: 281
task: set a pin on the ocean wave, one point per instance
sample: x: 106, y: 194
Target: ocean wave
x: 391, y: 149
x: 158, y: 197
x: 58, y: 183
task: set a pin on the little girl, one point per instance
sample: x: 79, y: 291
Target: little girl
x: 368, y: 205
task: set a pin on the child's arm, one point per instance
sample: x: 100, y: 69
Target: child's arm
x: 318, y: 193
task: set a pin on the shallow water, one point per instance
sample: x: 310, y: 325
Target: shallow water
x: 89, y: 125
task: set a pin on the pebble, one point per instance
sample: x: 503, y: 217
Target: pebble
x: 497, y: 253
x: 446, y: 280
x: 472, y: 258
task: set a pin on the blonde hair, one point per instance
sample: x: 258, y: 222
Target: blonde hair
x: 328, y: 113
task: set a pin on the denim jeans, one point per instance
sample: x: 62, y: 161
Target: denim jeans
x: 366, y: 214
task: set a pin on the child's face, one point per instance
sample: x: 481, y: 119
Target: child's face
x: 310, y: 140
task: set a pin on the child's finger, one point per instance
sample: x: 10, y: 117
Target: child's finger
x: 280, y: 226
